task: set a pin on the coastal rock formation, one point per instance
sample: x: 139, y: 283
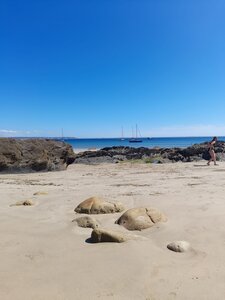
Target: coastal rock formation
x: 86, y: 222
x: 140, y: 218
x: 101, y: 235
x: 179, y: 246
x: 29, y: 155
x: 95, y: 205
x: 150, y: 155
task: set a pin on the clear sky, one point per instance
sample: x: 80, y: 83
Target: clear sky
x: 93, y: 66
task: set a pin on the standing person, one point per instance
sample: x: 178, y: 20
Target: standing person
x: 212, y: 151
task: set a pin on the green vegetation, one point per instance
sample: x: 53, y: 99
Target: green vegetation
x: 151, y: 160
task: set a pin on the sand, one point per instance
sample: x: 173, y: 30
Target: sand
x: 46, y: 256
x: 80, y: 150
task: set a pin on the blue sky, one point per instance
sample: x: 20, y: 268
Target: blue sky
x: 92, y: 66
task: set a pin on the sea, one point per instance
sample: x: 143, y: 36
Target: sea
x: 162, y: 142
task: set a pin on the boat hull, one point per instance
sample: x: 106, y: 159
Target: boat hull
x: 135, y: 141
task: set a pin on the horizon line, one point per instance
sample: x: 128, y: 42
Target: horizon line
x: 128, y: 137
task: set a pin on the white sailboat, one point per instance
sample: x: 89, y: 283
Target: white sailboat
x: 135, y: 139
x: 122, y: 138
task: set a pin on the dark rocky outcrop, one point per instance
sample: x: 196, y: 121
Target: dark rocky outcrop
x: 29, y: 155
x: 150, y: 155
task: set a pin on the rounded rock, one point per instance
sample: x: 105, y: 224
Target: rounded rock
x: 179, y: 246
x: 141, y: 218
x: 102, y: 235
x: 96, y: 205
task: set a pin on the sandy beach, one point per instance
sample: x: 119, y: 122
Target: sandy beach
x: 46, y: 256
x: 80, y: 150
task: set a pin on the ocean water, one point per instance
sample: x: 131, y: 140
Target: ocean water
x: 167, y: 142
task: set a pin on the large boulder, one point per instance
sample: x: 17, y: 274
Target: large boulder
x: 29, y: 155
x: 140, y: 218
x: 96, y: 205
x: 206, y: 155
x: 101, y: 235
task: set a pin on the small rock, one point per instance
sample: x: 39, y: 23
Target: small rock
x: 140, y: 218
x: 86, y: 222
x: 28, y: 202
x: 40, y: 193
x: 95, y: 205
x: 179, y: 246
x: 101, y: 235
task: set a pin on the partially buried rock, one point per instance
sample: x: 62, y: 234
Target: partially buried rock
x: 86, y: 222
x: 179, y: 246
x: 101, y: 235
x: 141, y: 218
x: 28, y: 202
x: 95, y: 205
x: 40, y: 193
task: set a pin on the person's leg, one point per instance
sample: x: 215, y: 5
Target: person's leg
x: 211, y: 152
x: 214, y: 157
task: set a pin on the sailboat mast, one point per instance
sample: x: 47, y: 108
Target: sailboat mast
x: 62, y: 134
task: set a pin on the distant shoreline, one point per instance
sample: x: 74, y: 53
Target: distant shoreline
x: 84, y: 144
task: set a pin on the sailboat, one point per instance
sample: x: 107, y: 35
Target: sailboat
x: 136, y: 139
x: 122, y: 138
x: 62, y: 138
